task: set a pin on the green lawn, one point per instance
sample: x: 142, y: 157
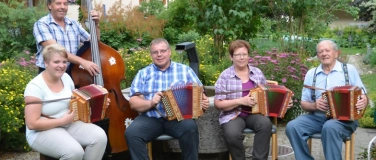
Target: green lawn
x: 369, y: 82
x: 353, y: 51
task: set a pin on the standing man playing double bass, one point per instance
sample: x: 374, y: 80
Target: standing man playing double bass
x: 57, y: 28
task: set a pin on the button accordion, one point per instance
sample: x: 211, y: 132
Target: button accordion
x: 342, y: 100
x: 272, y: 100
x: 89, y: 104
x: 182, y: 101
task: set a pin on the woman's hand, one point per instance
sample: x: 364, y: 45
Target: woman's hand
x: 248, y: 101
x: 108, y: 102
x: 67, y: 118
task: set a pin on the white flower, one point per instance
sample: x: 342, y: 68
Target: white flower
x: 128, y: 122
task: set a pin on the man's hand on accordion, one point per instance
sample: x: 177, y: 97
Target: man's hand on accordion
x: 156, y: 99
x: 322, y: 104
x: 205, y: 102
x: 362, y: 102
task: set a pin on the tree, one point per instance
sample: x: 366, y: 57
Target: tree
x: 303, y: 19
x: 226, y: 20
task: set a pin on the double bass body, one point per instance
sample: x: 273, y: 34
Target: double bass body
x: 119, y: 110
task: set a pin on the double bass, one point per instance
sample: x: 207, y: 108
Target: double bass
x: 112, y: 69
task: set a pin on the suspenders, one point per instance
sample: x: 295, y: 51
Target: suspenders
x: 346, y: 74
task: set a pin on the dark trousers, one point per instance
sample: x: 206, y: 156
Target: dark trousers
x: 41, y: 70
x: 233, y: 134
x: 145, y: 129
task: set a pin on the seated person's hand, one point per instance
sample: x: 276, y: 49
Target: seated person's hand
x: 108, y: 102
x: 68, y: 117
x: 290, y: 104
x: 322, y: 104
x: 156, y: 99
x: 248, y: 101
x: 205, y: 102
x: 362, y: 102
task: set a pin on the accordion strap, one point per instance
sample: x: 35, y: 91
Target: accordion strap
x: 49, y: 101
x: 313, y: 88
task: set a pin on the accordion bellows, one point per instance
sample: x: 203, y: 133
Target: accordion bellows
x: 182, y: 101
x: 272, y: 100
x: 342, y: 100
x: 89, y: 103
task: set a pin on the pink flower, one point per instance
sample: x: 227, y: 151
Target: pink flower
x: 27, y: 52
x: 284, y: 80
x: 283, y: 55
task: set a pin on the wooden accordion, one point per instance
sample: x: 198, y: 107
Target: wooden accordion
x: 272, y: 100
x: 342, y: 100
x: 183, y: 101
x: 89, y: 103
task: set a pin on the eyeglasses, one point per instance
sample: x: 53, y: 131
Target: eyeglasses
x: 162, y: 51
x: 240, y: 55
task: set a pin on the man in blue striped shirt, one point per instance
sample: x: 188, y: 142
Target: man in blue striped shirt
x: 146, y: 92
x: 57, y: 28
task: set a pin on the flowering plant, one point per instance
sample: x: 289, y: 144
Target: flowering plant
x: 134, y: 62
x: 14, y: 76
x: 287, y: 69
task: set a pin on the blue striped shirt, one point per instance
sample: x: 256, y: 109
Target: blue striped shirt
x: 151, y: 79
x: 47, y: 29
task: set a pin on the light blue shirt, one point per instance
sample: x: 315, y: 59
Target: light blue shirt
x: 151, y: 79
x: 336, y: 77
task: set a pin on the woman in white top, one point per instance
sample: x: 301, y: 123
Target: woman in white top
x: 58, y: 136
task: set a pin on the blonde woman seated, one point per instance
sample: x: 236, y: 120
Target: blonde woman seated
x: 58, y: 136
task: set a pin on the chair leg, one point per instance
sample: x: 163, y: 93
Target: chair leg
x: 347, y: 150
x: 352, y: 145
x: 309, y: 141
x: 150, y: 152
x: 274, y: 146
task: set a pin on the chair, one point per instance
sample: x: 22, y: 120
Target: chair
x: 274, y: 141
x: 349, y: 145
x: 163, y: 137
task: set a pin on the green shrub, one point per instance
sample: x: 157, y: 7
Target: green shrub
x: 14, y: 76
x: 169, y: 34
x: 190, y: 36
x: 16, y: 27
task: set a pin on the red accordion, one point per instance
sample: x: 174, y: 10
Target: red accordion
x: 89, y: 103
x: 272, y: 100
x: 342, y: 100
x: 182, y: 101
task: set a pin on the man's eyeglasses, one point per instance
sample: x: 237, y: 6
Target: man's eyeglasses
x: 240, y: 55
x: 162, y: 51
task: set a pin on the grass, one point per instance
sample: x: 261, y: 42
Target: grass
x: 353, y: 51
x: 369, y: 83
